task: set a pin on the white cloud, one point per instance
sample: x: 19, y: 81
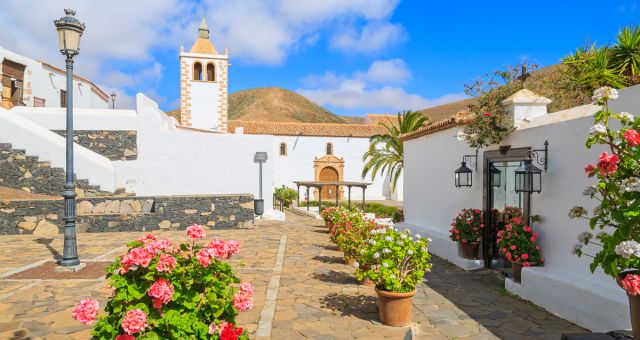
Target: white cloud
x: 376, y: 89
x: 373, y: 37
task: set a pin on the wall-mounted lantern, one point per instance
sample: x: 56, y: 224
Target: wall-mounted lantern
x: 496, y: 176
x: 529, y: 176
x: 464, y: 174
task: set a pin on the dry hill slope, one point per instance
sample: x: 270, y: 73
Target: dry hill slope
x: 275, y: 104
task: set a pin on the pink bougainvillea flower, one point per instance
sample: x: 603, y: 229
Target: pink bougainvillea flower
x: 85, y: 312
x: 196, y: 231
x: 161, y: 290
x: 243, y: 299
x: 134, y: 321
x: 166, y: 263
x: 631, y: 283
x: 608, y: 163
x: 632, y: 137
x: 589, y: 170
x: 125, y: 337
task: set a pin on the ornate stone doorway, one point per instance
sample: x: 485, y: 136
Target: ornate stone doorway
x: 329, y: 169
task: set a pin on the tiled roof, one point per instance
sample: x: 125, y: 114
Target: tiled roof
x: 459, y: 119
x: 94, y: 87
x: 203, y: 46
x: 306, y: 129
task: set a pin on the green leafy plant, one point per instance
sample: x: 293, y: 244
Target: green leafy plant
x: 164, y: 291
x: 396, y: 260
x: 379, y: 209
x: 352, y: 239
x: 285, y: 195
x: 625, y: 54
x: 467, y: 226
x: 517, y: 242
x: 346, y: 220
x: 385, y: 154
x: 617, y: 188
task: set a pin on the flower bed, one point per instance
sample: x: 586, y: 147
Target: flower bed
x: 166, y: 291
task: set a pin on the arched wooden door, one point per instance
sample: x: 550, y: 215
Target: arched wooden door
x: 329, y: 174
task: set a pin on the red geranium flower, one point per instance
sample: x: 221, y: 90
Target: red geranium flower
x: 632, y: 137
x: 608, y: 163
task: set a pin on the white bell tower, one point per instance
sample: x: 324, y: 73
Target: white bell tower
x: 204, y: 86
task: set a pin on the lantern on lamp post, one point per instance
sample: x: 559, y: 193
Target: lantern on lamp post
x: 113, y: 100
x: 69, y: 33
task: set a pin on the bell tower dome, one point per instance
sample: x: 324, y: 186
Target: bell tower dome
x: 204, y: 86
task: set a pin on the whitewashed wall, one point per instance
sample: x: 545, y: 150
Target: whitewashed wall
x: 55, y: 118
x: 46, y: 83
x: 565, y: 285
x: 297, y: 165
x: 173, y: 161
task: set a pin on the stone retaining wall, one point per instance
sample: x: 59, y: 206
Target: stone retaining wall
x: 115, y: 145
x: 113, y: 214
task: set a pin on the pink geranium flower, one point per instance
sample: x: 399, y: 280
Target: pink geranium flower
x: 134, y: 321
x: 166, y: 263
x: 219, y: 249
x: 85, y: 312
x: 125, y: 337
x: 243, y: 300
x: 217, y: 329
x: 632, y: 137
x: 589, y: 169
x: 631, y: 283
x: 608, y: 163
x: 147, y: 238
x: 161, y: 291
x: 158, y: 246
x: 204, y: 257
x: 196, y: 231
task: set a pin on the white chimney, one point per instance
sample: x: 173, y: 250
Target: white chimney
x: 239, y: 130
x: 525, y: 105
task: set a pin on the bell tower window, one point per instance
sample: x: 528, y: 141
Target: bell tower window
x: 197, y: 71
x: 211, y: 72
x: 329, y: 149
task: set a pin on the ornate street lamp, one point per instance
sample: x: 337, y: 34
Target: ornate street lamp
x: 69, y: 33
x: 529, y: 176
x: 496, y: 176
x: 464, y: 175
x: 113, y: 100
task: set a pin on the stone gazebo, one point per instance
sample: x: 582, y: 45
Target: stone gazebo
x: 319, y: 185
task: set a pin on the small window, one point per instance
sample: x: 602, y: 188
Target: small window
x: 283, y: 149
x: 211, y: 72
x: 197, y: 71
x: 329, y: 149
x: 63, y: 98
x: 38, y: 102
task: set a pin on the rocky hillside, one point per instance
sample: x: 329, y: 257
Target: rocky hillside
x: 276, y: 104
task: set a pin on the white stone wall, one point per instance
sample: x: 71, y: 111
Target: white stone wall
x: 297, y: 165
x: 565, y: 285
x: 55, y: 118
x: 44, y: 82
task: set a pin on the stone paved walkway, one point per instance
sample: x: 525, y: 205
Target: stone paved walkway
x: 302, y: 290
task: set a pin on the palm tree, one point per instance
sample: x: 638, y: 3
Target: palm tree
x: 625, y: 54
x: 385, y: 152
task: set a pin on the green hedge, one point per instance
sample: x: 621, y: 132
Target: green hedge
x: 379, y: 209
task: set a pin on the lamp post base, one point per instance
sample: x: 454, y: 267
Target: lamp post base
x: 70, y: 268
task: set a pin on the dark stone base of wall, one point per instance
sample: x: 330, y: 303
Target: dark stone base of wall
x: 115, y: 145
x: 115, y: 214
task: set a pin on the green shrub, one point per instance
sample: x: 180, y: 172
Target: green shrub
x: 379, y: 209
x: 285, y: 195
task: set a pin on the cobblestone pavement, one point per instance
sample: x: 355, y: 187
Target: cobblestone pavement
x: 302, y: 290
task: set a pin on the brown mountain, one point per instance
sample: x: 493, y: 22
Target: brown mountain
x: 276, y: 104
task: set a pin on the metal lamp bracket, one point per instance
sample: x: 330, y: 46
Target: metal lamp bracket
x: 471, y: 160
x: 536, y: 155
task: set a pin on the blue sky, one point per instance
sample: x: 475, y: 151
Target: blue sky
x: 355, y: 57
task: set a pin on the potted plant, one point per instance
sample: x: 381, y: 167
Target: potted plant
x: 517, y: 242
x: 617, y: 188
x: 166, y: 291
x: 344, y: 221
x: 352, y: 241
x: 397, y: 263
x: 466, y: 229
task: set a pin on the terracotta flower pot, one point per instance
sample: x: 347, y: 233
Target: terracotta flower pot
x: 395, y: 308
x: 367, y: 282
x: 470, y: 250
x: 338, y: 248
x: 331, y: 227
x: 516, y: 271
x: 634, y: 307
x: 349, y: 260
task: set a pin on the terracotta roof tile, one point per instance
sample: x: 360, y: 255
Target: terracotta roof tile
x: 461, y: 118
x: 203, y: 46
x: 306, y: 129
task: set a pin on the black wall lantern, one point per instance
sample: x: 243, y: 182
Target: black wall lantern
x: 529, y: 176
x: 496, y: 176
x: 463, y: 174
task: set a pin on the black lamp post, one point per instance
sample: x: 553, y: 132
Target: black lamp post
x: 496, y: 176
x: 69, y: 33
x: 113, y: 100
